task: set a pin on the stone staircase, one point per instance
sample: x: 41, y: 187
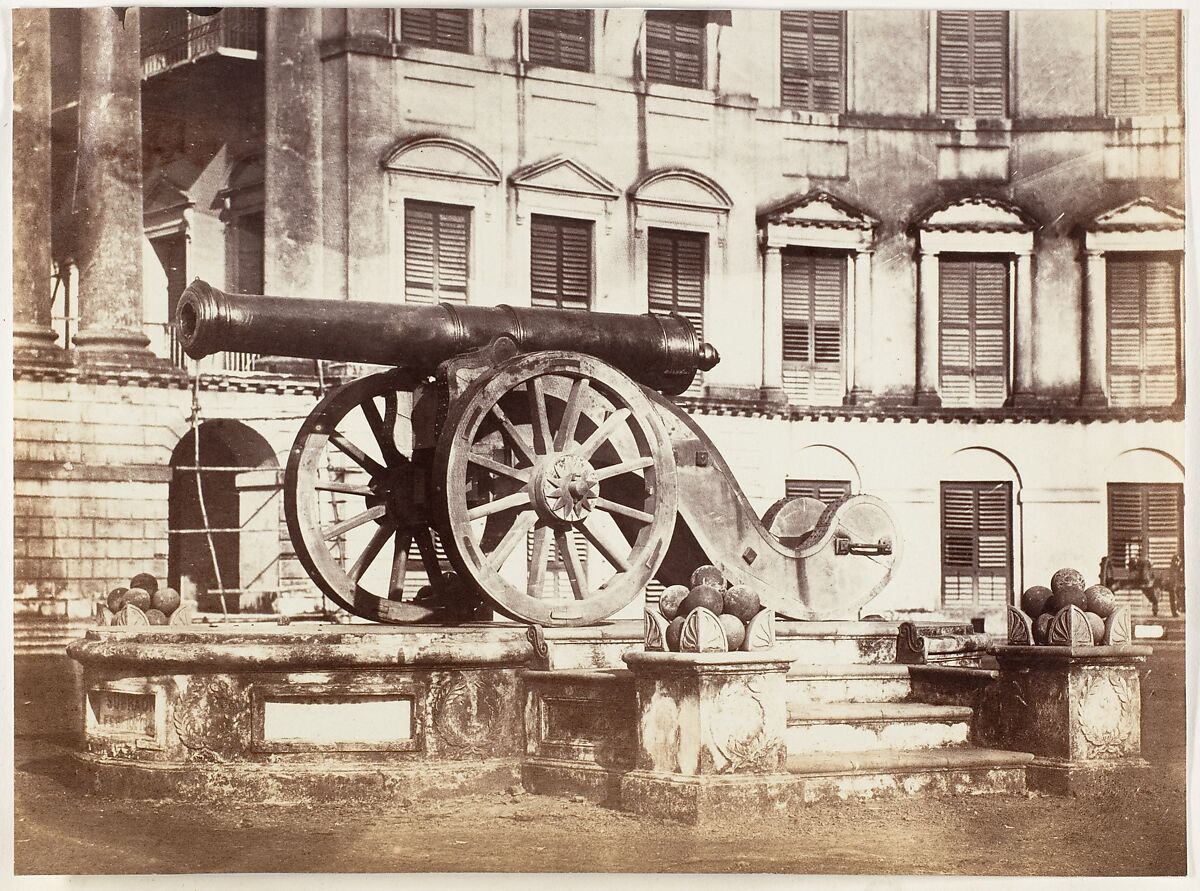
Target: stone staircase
x: 859, y: 725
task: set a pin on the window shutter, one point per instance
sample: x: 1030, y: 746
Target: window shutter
x: 448, y: 29
x: 1145, y: 519
x: 811, y: 60
x: 1143, y: 61
x: 972, y: 64
x: 561, y: 262
x: 250, y: 253
x: 436, y: 251
x: 561, y: 37
x: 676, y: 267
x: 827, y: 491
x: 675, y: 47
x: 1143, y: 329
x: 976, y: 543
x: 814, y: 288
x: 973, y: 297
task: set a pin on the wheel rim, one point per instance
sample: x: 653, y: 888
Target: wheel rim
x: 563, y: 454
x: 356, y: 503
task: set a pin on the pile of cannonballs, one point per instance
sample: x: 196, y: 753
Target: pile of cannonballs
x: 709, y: 616
x: 1068, y: 613
x: 144, y: 603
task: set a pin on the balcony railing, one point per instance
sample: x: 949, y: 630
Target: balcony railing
x: 233, y: 31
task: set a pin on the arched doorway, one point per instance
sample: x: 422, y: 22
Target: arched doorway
x: 223, y: 517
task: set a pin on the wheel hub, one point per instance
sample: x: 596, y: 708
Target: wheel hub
x: 565, y: 488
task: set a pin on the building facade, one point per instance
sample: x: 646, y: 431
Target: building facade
x: 940, y: 253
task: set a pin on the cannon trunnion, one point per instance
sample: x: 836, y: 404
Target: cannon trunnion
x: 526, y: 460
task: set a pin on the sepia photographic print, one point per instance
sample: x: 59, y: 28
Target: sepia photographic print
x: 599, y: 440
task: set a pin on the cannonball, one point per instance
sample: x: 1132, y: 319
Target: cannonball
x: 139, y: 597
x: 740, y: 601
x: 735, y: 631
x: 1097, y: 624
x: 1041, y: 628
x: 673, y: 631
x: 145, y: 581
x: 424, y: 592
x: 1100, y: 600
x: 165, y: 600
x: 671, y: 600
x: 1067, y: 578
x: 708, y: 575
x: 156, y: 617
x: 1033, y: 601
x: 703, y: 595
x: 1065, y: 597
x: 116, y: 598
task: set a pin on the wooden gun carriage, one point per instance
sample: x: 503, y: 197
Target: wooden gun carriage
x: 514, y: 439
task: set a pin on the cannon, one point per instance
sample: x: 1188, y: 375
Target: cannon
x: 528, y: 459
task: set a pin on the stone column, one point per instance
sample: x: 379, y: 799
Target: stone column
x: 1023, y: 331
x: 860, y: 384
x: 772, y: 346
x: 1094, y: 389
x: 110, y: 188
x: 33, y: 338
x: 927, y: 331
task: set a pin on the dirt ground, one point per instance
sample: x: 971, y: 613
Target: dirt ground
x: 1139, y: 832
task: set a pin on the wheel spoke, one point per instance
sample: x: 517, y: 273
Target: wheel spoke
x: 344, y: 488
x: 603, y: 432
x: 602, y: 543
x: 537, y: 561
x: 429, y: 557
x: 387, y: 445
x: 399, y: 564
x: 604, y: 473
x: 517, y: 499
x: 498, y: 467
x: 570, y: 418
x: 337, y: 529
x: 361, y: 458
x: 570, y: 559
x: 514, y: 435
x: 516, y: 534
x: 613, y: 507
x: 374, y: 546
x: 537, y: 414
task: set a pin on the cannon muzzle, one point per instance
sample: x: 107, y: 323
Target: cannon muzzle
x: 662, y: 352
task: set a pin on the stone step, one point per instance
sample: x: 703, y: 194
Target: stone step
x: 867, y: 682
x: 870, y: 726
x: 882, y: 774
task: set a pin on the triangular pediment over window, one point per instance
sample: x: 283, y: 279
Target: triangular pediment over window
x: 978, y: 214
x: 564, y: 176
x: 160, y: 194
x: 679, y: 187
x: 1139, y: 215
x: 441, y: 157
x: 820, y: 209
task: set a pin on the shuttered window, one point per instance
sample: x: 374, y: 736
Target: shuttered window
x: 974, y: 331
x: 972, y: 64
x: 248, y: 252
x: 675, y: 47
x: 812, y: 60
x: 448, y: 29
x: 561, y: 262
x: 827, y: 491
x: 436, y: 250
x: 561, y: 37
x: 814, y: 297
x: 1143, y: 61
x: 1145, y: 520
x: 976, y: 543
x: 1143, y: 329
x: 676, y: 275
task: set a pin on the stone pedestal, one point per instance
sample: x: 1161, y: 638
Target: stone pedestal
x: 1078, y: 710
x: 711, y: 735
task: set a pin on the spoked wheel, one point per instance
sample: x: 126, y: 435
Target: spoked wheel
x: 356, y: 501
x: 559, y: 487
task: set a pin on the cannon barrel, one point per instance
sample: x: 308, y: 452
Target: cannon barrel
x: 660, y: 351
